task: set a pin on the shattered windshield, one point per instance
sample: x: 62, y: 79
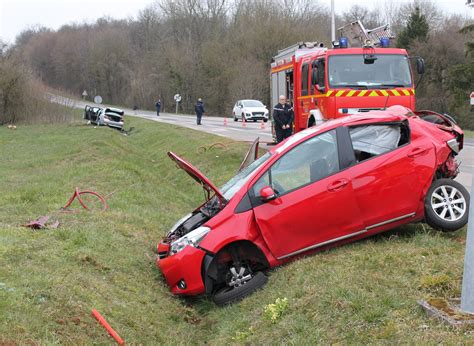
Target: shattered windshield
x: 233, y: 185
x: 387, y: 71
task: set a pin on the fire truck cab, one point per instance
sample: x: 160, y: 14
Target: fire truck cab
x: 325, y: 83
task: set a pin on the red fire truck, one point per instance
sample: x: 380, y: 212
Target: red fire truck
x: 325, y: 83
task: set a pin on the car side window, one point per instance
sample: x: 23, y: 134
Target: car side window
x: 308, y: 162
x: 376, y: 139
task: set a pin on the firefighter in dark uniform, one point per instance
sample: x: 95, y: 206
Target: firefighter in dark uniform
x: 282, y: 119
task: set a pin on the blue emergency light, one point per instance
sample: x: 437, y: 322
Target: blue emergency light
x: 343, y: 42
x: 384, y: 42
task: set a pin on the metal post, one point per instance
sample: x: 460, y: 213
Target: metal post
x: 333, y: 23
x: 177, y: 107
x: 467, y: 294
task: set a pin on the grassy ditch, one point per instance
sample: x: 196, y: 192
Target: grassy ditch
x: 50, y: 280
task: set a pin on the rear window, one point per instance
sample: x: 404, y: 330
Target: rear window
x: 376, y: 139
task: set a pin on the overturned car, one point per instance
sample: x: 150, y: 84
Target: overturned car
x: 331, y: 184
x: 112, y: 117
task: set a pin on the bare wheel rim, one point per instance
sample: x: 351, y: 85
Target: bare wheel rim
x: 448, y: 203
x: 238, y: 277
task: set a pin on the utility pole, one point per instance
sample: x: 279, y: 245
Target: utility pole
x: 333, y: 23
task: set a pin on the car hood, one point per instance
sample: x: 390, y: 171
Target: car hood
x: 206, y: 184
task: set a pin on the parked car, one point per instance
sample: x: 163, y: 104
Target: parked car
x: 331, y: 184
x: 112, y: 117
x: 247, y: 110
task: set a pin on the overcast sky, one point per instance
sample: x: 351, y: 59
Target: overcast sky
x: 17, y: 15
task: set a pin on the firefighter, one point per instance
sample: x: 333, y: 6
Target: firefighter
x: 199, y: 108
x: 282, y: 119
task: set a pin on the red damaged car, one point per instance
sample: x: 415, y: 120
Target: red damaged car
x: 331, y: 184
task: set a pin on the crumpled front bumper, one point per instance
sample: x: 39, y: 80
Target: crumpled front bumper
x: 185, y: 266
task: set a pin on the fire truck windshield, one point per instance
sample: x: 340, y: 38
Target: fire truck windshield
x: 350, y: 71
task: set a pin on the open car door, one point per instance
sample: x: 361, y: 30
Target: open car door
x: 252, y: 154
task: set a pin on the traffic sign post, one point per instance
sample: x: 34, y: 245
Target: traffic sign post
x: 177, y: 99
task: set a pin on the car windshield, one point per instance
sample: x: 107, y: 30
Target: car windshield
x: 387, y: 71
x: 252, y: 103
x: 229, y: 189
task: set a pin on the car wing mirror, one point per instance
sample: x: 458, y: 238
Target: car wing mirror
x: 267, y: 194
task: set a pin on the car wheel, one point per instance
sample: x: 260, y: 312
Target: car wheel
x: 241, y: 283
x: 447, y: 205
x: 235, y: 117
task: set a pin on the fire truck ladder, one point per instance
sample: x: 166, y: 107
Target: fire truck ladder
x: 357, y: 31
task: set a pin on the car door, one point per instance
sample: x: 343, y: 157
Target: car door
x: 315, y: 203
x: 391, y: 171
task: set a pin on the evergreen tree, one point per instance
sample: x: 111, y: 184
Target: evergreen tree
x: 417, y: 28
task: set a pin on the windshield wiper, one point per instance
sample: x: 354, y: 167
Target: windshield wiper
x: 358, y: 86
x: 392, y: 86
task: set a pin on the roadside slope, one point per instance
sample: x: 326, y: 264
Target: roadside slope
x: 51, y: 279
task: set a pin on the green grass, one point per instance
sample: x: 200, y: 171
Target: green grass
x: 50, y: 280
x: 468, y: 133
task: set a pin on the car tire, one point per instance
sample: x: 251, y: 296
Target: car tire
x: 235, y: 117
x: 447, y: 205
x: 228, y: 296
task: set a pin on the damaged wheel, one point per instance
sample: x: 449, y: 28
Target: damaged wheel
x: 447, y: 205
x: 241, y: 283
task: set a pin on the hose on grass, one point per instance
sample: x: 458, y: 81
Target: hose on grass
x: 77, y: 194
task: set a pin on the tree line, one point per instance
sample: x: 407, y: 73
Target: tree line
x: 220, y: 50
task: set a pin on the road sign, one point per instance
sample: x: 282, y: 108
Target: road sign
x: 472, y: 98
x: 84, y: 93
x: 98, y: 99
x: 177, y: 98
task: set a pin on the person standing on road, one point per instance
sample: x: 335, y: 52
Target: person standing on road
x: 199, y: 108
x: 158, y: 107
x: 282, y: 119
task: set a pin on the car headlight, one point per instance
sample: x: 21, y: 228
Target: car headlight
x: 193, y: 238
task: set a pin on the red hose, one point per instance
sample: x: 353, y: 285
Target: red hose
x: 77, y: 194
x: 107, y: 326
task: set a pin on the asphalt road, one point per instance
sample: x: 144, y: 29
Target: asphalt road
x: 226, y: 127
